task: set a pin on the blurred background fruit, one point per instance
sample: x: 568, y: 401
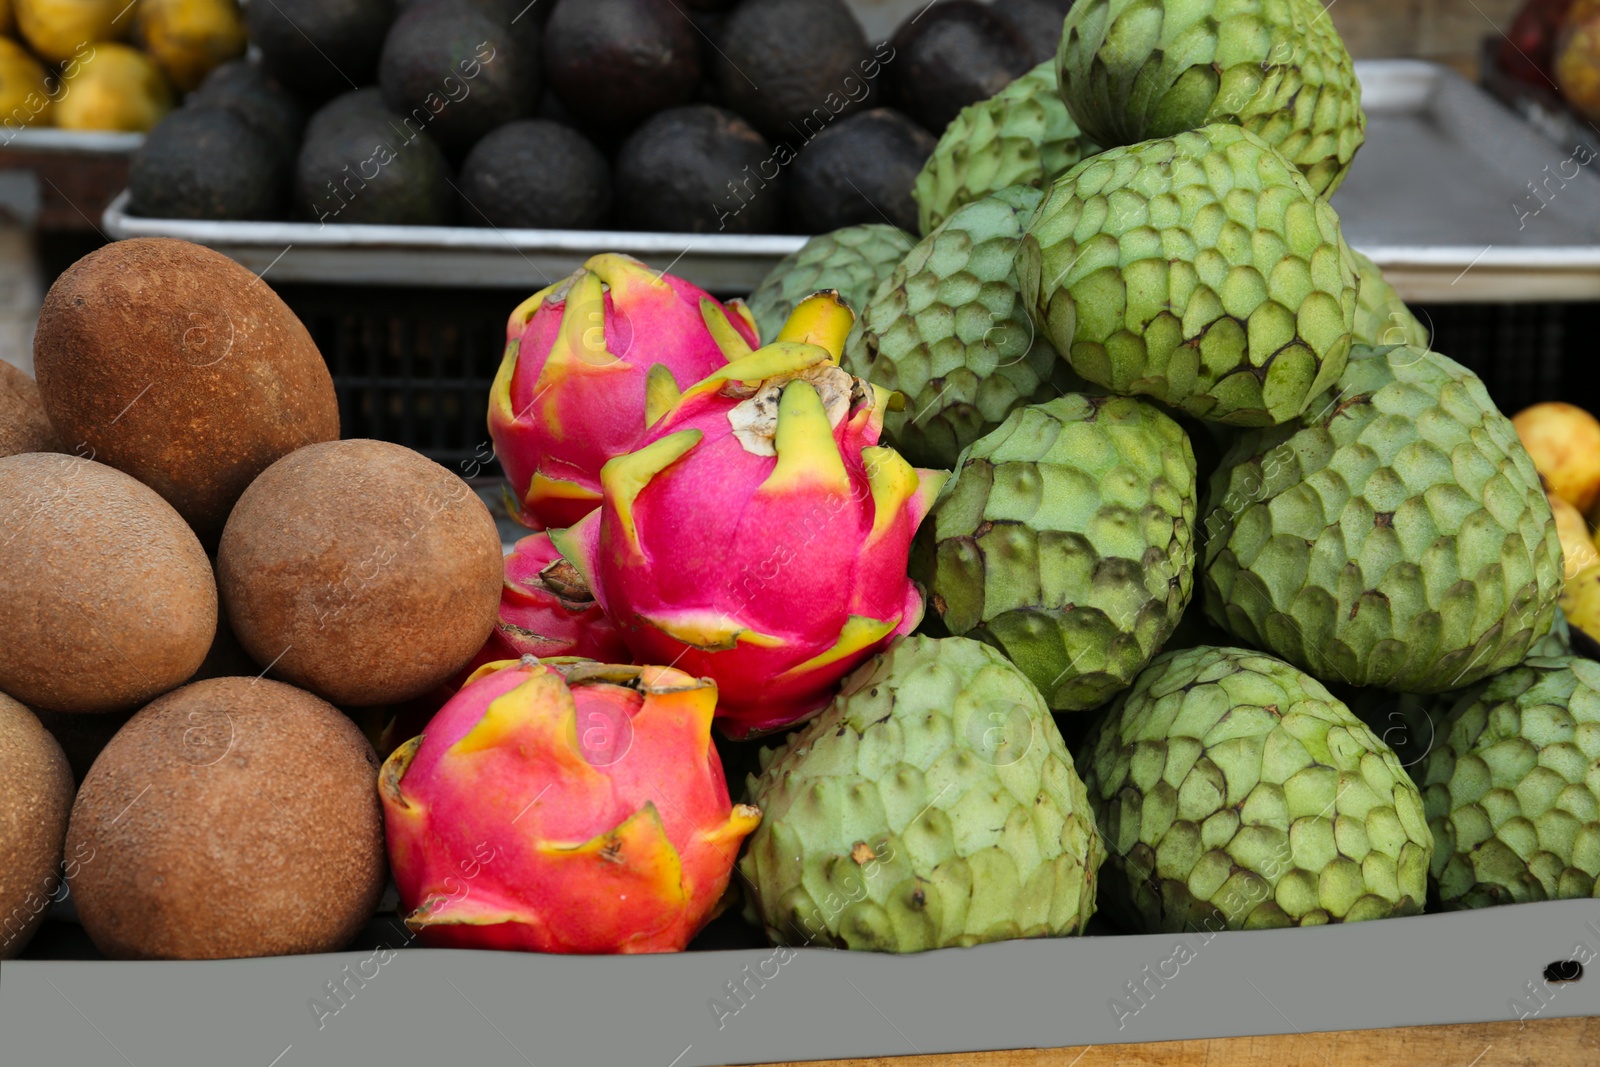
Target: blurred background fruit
x: 187, y: 38
x: 24, y: 95
x: 58, y: 30
x: 115, y: 88
x: 1564, y: 441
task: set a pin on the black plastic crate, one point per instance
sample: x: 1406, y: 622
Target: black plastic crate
x: 414, y: 366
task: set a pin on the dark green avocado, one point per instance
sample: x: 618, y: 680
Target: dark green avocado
x: 1037, y: 22
x: 861, y: 169
x: 613, y: 63
x: 456, y: 70
x: 698, y: 169
x: 793, y: 66
x: 208, y: 162
x: 536, y: 174
x: 319, y: 48
x: 255, y: 96
x: 363, y: 164
x: 955, y: 54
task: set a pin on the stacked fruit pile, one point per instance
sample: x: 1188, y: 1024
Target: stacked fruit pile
x: 728, y: 116
x: 917, y: 549
x: 108, y: 64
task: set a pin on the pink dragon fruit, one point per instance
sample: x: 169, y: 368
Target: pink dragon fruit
x: 564, y: 806
x: 588, y: 361
x: 759, y: 535
x: 547, y: 611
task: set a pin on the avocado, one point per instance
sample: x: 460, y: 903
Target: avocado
x: 1037, y: 23
x: 614, y: 63
x: 859, y: 170
x: 359, y: 100
x: 455, y: 69
x: 255, y: 96
x: 364, y: 164
x: 536, y: 174
x: 956, y: 53
x: 698, y: 169
x: 320, y: 47
x: 792, y: 66
x: 208, y: 162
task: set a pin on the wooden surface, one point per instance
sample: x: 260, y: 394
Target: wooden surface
x: 1537, y: 1043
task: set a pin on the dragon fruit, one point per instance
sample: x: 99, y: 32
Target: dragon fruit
x: 547, y: 611
x: 588, y: 362
x: 759, y: 535
x: 564, y: 806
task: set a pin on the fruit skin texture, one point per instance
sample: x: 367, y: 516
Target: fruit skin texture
x: 95, y: 568
x: 232, y: 818
x: 933, y: 804
x: 1236, y: 792
x: 950, y: 330
x: 547, y: 611
x: 1022, y: 135
x: 1131, y: 70
x: 24, y: 426
x: 35, y: 799
x: 1564, y: 441
x: 1066, y: 539
x: 145, y: 335
x: 362, y: 571
x: 625, y: 836
x: 1201, y: 270
x: 1511, y: 791
x: 854, y: 261
x: 1396, y: 535
x: 759, y: 534
x: 572, y: 389
x: 1382, y: 318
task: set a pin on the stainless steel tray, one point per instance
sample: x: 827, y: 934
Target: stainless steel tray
x: 88, y: 142
x: 1433, y: 198
x: 695, y: 1009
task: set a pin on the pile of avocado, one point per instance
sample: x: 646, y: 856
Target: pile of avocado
x: 697, y: 116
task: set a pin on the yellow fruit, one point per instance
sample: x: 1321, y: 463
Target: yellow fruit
x: 24, y: 95
x: 115, y: 88
x: 187, y: 38
x: 1577, y: 546
x: 5, y: 16
x: 60, y: 29
x: 1577, y: 59
x: 1564, y: 442
x: 1580, y: 600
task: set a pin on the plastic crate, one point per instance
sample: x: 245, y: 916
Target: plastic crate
x: 414, y: 366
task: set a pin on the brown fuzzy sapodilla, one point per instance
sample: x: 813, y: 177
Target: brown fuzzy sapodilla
x: 24, y: 427
x: 35, y: 798
x: 175, y: 364
x: 361, y: 571
x: 233, y: 817
x: 106, y: 598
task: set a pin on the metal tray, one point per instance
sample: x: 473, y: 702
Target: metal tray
x: 1433, y: 198
x: 405, y: 1005
x: 87, y: 142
